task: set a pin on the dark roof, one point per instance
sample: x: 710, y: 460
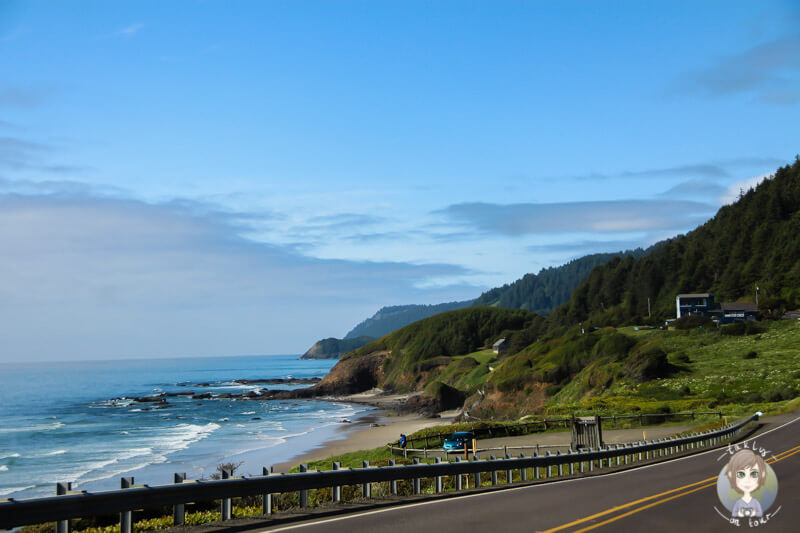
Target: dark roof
x: 696, y: 295
x: 738, y: 306
x: 792, y: 314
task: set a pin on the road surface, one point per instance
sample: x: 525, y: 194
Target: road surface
x: 676, y: 495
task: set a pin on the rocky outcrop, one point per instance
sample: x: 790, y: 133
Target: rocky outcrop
x: 351, y: 376
x: 437, y: 397
x: 279, y: 381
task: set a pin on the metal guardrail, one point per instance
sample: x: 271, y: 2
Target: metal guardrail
x: 77, y: 504
x: 549, y: 423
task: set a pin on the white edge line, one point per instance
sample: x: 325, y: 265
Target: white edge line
x: 526, y: 487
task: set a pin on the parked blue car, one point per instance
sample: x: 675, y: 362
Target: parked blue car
x: 457, y: 441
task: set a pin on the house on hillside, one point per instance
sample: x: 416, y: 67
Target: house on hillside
x: 499, y: 346
x: 701, y: 303
x: 737, y: 312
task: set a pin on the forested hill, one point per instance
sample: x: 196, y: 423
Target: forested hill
x: 551, y: 287
x: 389, y: 319
x: 754, y: 241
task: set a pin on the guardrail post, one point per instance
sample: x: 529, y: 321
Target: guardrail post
x: 417, y: 485
x: 591, y: 461
x: 476, y: 475
x: 572, y: 462
x: 392, y: 483
x: 523, y: 472
x: 366, y: 488
x: 439, y: 484
x: 619, y: 458
x: 494, y: 472
x: 226, y: 502
x: 337, y: 490
x: 536, y: 468
x: 640, y: 453
x: 266, y: 499
x: 62, y: 526
x: 509, y: 473
x: 549, y: 466
x: 458, y: 479
x: 179, y: 509
x: 560, y: 465
x: 126, y: 517
x: 304, y: 493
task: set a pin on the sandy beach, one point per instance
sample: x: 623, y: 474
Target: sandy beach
x: 370, y: 431
x: 384, y: 426
x: 365, y: 433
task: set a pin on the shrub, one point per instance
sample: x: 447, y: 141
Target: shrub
x: 693, y: 322
x: 741, y: 328
x: 647, y: 365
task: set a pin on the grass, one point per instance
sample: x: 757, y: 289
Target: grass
x: 376, y: 457
x: 736, y: 374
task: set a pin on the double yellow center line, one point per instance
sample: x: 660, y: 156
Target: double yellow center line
x: 660, y: 498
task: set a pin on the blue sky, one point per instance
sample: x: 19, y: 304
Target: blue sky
x: 215, y: 178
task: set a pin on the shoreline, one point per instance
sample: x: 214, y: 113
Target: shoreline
x: 369, y: 430
x: 373, y: 430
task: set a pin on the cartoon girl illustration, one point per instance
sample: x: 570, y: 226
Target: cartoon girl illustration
x: 746, y: 472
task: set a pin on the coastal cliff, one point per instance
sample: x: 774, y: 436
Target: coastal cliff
x: 557, y: 365
x: 333, y: 348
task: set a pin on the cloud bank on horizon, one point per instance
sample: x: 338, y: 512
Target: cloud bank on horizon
x: 263, y: 176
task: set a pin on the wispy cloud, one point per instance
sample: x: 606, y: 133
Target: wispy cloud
x: 769, y: 71
x: 80, y: 271
x: 731, y: 194
x: 601, y: 216
x: 694, y: 189
x: 131, y: 30
x: 19, y: 153
x: 701, y: 170
x: 20, y: 97
x: 581, y: 248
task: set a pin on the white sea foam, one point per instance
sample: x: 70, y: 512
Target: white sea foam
x: 9, y: 456
x: 56, y: 452
x: 249, y: 413
x: 97, y: 470
x: 3, y: 468
x: 11, y: 490
x: 37, y: 427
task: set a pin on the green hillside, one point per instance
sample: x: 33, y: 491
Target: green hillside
x: 753, y: 242
x: 551, y: 287
x: 556, y: 365
x: 392, y: 318
x: 433, y: 342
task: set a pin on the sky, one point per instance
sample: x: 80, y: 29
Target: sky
x: 209, y: 178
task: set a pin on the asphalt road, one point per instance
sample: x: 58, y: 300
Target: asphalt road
x: 676, y: 495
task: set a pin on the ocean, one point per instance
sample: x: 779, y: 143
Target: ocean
x: 65, y: 422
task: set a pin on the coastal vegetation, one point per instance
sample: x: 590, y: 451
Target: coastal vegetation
x: 541, y: 293
x: 331, y: 348
x: 586, y: 356
x: 748, y: 244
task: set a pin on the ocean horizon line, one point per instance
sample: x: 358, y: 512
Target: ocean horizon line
x: 133, y: 359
